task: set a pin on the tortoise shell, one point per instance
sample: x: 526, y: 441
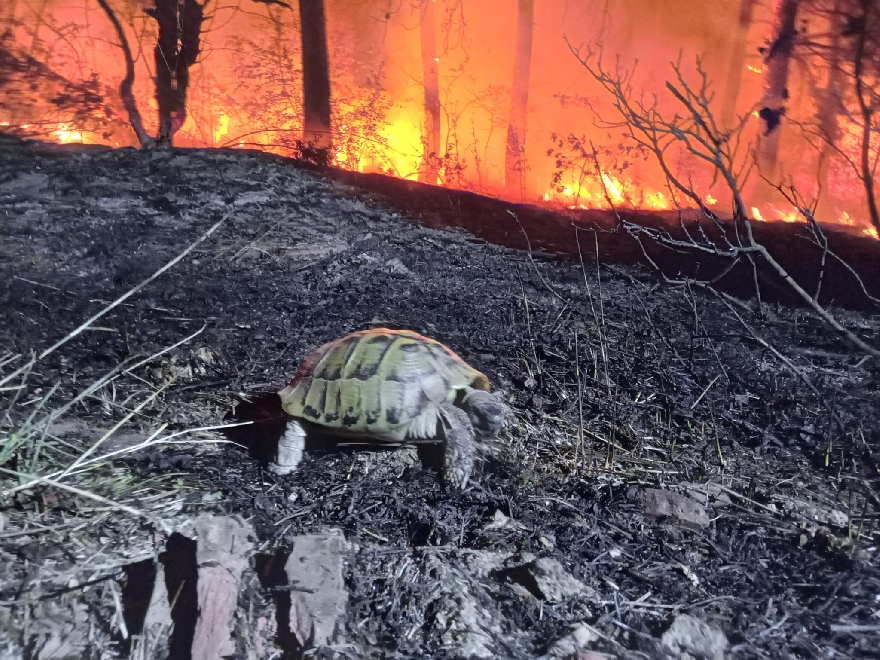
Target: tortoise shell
x: 377, y: 382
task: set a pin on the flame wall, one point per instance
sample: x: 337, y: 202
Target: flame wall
x: 246, y: 88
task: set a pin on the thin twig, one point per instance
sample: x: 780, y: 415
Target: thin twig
x: 532, y: 260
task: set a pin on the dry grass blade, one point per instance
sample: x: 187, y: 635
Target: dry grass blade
x: 98, y: 498
x: 53, y: 471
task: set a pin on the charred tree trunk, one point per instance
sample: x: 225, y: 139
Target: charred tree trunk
x: 180, y: 26
x: 125, y: 87
x: 865, y: 55
x: 432, y: 96
x: 317, y: 136
x: 737, y: 63
x: 514, y: 161
x: 831, y: 101
x: 777, y: 59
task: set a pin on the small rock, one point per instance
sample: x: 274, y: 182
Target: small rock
x: 546, y: 579
x: 463, y: 621
x: 252, y: 197
x: 500, y: 521
x: 396, y: 267
x: 263, y: 634
x: 206, y: 355
x: 578, y: 639
x: 689, y: 638
x: 250, y: 254
x: 675, y: 507
x: 811, y: 511
x: 222, y: 555
x: 318, y: 596
x: 833, y: 545
x: 465, y: 618
x: 702, y: 493
x: 158, y: 623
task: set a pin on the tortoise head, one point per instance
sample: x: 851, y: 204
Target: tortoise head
x: 486, y: 411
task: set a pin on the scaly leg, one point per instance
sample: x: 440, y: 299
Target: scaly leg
x: 290, y: 448
x: 459, y: 447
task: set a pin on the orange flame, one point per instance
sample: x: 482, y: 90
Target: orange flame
x: 66, y: 133
x: 248, y: 89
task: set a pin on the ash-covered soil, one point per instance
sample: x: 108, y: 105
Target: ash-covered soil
x: 618, y: 385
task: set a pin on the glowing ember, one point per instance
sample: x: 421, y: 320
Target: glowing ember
x: 613, y: 187
x: 222, y: 129
x: 657, y: 201
x: 788, y: 216
x: 404, y: 140
x: 67, y: 134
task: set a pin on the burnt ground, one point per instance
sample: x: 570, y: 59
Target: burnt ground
x: 669, y: 387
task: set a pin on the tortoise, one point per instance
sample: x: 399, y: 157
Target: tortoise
x: 390, y: 386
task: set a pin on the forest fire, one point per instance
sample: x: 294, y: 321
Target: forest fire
x: 787, y: 98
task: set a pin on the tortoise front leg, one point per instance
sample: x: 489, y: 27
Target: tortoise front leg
x: 290, y: 448
x: 459, y: 446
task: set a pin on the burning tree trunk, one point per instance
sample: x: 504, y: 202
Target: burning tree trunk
x: 180, y: 25
x: 514, y: 161
x: 777, y: 60
x: 432, y: 95
x: 737, y: 63
x: 317, y: 138
x: 125, y: 87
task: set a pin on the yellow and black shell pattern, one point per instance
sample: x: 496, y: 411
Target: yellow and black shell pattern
x: 376, y: 382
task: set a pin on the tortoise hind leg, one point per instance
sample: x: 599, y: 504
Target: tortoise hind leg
x: 291, y: 445
x: 459, y: 446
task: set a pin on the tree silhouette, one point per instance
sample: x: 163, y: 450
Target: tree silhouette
x: 177, y: 49
x: 431, y: 83
x: 317, y: 135
x: 514, y: 164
